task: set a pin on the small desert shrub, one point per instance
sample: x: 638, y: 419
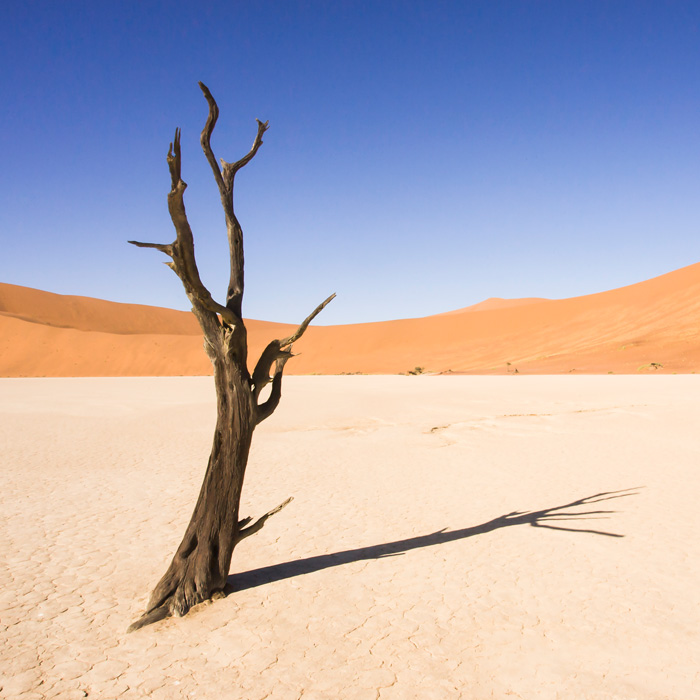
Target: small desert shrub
x: 651, y: 365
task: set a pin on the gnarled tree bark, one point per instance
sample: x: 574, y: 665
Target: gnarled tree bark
x: 201, y: 563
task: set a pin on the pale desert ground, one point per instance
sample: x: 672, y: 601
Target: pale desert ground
x: 530, y: 537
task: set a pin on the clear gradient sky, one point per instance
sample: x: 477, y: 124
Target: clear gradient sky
x: 421, y: 157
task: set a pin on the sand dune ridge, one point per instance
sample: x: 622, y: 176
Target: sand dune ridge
x: 649, y: 326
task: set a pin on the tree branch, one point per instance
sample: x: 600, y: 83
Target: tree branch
x: 234, y: 295
x: 175, y: 160
x: 224, y: 181
x: 205, y: 138
x: 184, y: 259
x: 305, y: 324
x: 163, y: 248
x: 278, y: 352
x: 230, y: 169
x: 258, y: 524
x: 261, y: 373
x: 265, y: 410
x: 182, y: 252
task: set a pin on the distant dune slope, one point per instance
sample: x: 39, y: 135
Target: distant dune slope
x: 52, y: 335
x: 494, y: 303
x: 652, y: 326
x: 86, y: 314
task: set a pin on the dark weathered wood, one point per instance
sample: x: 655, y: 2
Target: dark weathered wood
x: 305, y: 323
x: 201, y: 563
x: 224, y: 181
x: 257, y: 525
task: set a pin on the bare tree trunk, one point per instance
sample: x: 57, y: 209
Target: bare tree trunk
x: 201, y: 563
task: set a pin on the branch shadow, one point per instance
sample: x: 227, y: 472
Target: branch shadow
x: 538, y: 518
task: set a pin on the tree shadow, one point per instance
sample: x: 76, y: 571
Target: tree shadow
x: 537, y: 518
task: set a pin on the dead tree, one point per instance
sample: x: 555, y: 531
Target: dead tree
x: 201, y: 564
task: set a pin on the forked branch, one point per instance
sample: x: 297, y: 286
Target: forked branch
x: 230, y: 169
x: 182, y: 250
x: 278, y: 352
x: 224, y: 181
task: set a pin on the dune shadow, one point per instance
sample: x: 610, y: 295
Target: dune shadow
x: 537, y: 518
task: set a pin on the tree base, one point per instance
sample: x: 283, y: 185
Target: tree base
x: 196, y: 576
x: 164, y: 611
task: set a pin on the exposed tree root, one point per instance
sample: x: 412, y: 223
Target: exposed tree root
x: 196, y: 574
x: 148, y: 618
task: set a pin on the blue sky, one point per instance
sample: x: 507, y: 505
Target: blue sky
x: 422, y: 156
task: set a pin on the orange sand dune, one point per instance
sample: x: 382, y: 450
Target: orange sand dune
x: 494, y: 303
x: 649, y: 326
x: 86, y: 314
x: 52, y: 335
